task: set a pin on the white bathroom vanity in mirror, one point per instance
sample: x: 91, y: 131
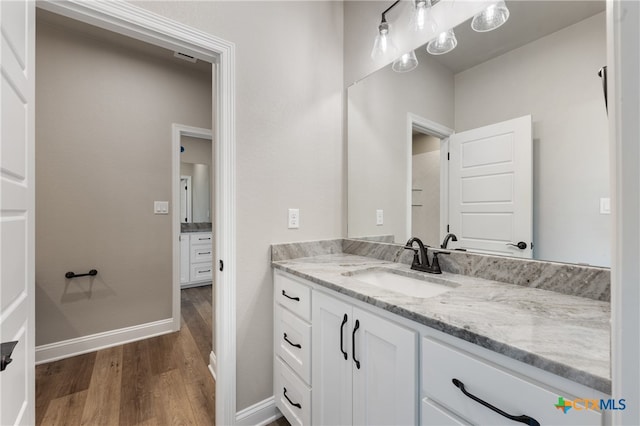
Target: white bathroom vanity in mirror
x: 542, y: 62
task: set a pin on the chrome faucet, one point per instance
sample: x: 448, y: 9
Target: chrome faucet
x: 421, y: 259
x: 451, y: 237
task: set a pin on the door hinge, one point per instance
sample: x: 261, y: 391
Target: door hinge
x: 448, y: 156
x: 447, y: 228
x: 221, y: 265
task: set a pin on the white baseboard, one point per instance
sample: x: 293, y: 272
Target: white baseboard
x: 213, y: 364
x: 94, y: 342
x: 260, y: 414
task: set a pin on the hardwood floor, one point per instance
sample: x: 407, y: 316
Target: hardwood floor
x: 164, y: 380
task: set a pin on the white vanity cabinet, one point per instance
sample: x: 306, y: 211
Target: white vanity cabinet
x: 196, y: 258
x: 364, y: 367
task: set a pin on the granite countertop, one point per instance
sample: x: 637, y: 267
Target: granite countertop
x: 195, y: 227
x: 566, y: 335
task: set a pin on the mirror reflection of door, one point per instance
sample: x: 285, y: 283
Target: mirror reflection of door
x: 425, y: 188
x: 185, y: 199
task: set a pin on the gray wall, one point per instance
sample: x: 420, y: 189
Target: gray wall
x: 379, y: 152
x: 103, y: 155
x: 289, y: 107
x: 425, y: 169
x: 555, y: 80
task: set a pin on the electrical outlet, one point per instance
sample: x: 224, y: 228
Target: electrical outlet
x: 294, y: 218
x: 605, y: 205
x: 160, y: 207
x: 379, y: 217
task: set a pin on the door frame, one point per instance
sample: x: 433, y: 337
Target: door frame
x: 177, y: 131
x: 130, y: 20
x: 432, y: 128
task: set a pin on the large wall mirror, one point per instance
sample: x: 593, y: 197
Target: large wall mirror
x: 427, y: 147
x: 195, y: 180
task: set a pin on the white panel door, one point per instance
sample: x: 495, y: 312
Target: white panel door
x: 491, y: 188
x: 17, y: 55
x: 385, y: 376
x: 331, y: 368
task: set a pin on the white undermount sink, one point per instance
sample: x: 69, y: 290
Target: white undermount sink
x: 409, y: 286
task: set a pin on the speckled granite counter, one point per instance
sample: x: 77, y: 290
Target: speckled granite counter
x: 566, y: 335
x: 195, y: 227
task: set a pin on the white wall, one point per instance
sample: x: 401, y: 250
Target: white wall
x: 555, y: 80
x: 289, y: 107
x: 379, y: 149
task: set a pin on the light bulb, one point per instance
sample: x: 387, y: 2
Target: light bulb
x: 491, y: 18
x: 382, y: 43
x: 444, y: 43
x: 405, y: 63
x: 421, y: 18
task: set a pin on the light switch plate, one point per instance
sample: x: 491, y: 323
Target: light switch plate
x: 379, y: 217
x: 294, y: 218
x: 605, y: 205
x: 160, y: 207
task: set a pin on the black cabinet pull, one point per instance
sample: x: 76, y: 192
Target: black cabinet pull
x: 295, y: 404
x: 353, y: 346
x: 521, y: 419
x: 344, y: 321
x: 297, y: 299
x: 295, y: 345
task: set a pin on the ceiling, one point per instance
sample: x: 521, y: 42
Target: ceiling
x: 529, y: 20
x: 139, y: 47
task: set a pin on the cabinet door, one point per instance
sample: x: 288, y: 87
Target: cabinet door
x: 184, y: 258
x: 331, y: 373
x: 385, y: 383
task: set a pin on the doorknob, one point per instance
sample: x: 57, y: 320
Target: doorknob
x: 6, y: 351
x: 521, y: 245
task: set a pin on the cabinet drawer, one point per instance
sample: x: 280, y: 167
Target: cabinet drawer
x: 500, y: 388
x: 293, y: 342
x: 201, y: 239
x: 201, y: 272
x: 292, y: 396
x: 201, y: 254
x: 293, y: 295
x: 432, y: 415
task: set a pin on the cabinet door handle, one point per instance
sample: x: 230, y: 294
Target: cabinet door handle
x: 297, y: 299
x: 344, y: 321
x: 295, y: 404
x: 295, y: 345
x: 353, y: 344
x: 204, y: 252
x: 521, y: 419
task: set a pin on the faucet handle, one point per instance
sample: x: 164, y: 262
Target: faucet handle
x: 416, y: 257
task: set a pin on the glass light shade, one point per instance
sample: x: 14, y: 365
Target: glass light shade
x: 421, y: 18
x: 492, y: 17
x: 445, y: 42
x: 405, y: 63
x: 382, y: 43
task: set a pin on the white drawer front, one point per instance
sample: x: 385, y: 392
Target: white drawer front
x: 432, y: 415
x: 292, y: 396
x: 201, y: 254
x: 293, y: 342
x: 293, y: 295
x: 202, y: 272
x: 506, y: 391
x: 201, y: 239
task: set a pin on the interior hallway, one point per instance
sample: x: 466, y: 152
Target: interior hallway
x: 164, y: 380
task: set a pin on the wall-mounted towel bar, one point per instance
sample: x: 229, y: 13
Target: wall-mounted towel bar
x: 70, y: 275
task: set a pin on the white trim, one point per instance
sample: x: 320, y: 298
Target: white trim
x: 178, y: 130
x: 623, y: 45
x: 260, y: 414
x: 432, y: 128
x: 125, y: 18
x: 95, y: 342
x: 213, y: 364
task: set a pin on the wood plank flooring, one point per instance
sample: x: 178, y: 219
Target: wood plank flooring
x: 164, y: 380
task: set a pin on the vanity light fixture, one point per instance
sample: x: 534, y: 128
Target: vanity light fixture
x: 383, y: 43
x: 491, y: 18
x: 405, y: 63
x: 445, y: 42
x: 421, y: 17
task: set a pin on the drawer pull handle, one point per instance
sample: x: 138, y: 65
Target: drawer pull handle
x: 297, y: 299
x: 344, y: 321
x: 204, y: 272
x: 295, y: 404
x: 295, y: 345
x: 353, y: 344
x: 521, y: 419
x: 204, y: 239
x: 203, y: 252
